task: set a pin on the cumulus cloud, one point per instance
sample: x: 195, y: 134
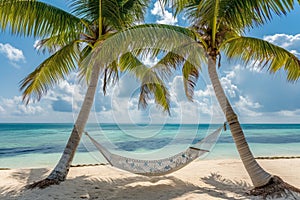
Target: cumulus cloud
x: 284, y: 40
x: 243, y: 104
x: 16, y: 111
x: 67, y: 95
x: 121, y: 103
x: 13, y: 54
x: 15, y: 106
x: 247, y: 107
x: 228, y: 85
x: 295, y: 53
x: 202, y: 108
x: 165, y: 17
x: 149, y: 62
x: 2, y: 109
x: 102, y: 103
x: 59, y: 104
x: 127, y: 86
x: 290, y: 42
x: 177, y: 89
x: 124, y: 108
x: 289, y: 113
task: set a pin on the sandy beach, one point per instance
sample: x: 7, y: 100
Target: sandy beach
x: 203, y: 179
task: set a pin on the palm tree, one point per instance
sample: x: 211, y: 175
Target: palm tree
x: 70, y: 39
x: 218, y: 27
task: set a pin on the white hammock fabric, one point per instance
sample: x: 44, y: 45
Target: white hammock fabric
x: 160, y: 166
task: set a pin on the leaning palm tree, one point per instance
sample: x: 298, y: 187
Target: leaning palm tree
x: 218, y: 27
x: 70, y: 39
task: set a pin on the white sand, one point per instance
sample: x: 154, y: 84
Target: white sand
x: 206, y: 179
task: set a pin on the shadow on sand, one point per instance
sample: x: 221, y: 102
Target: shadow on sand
x: 130, y: 187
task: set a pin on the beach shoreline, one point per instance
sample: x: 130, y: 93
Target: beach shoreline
x: 202, y: 179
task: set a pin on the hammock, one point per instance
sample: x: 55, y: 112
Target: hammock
x: 160, y: 166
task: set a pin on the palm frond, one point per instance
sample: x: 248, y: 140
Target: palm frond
x: 50, y: 72
x: 115, y: 13
x: 151, y: 83
x: 189, y: 60
x: 152, y: 36
x: 168, y: 64
x: 174, y: 60
x: 53, y: 43
x: 130, y: 63
x: 111, y: 75
x: 136, y: 9
x: 38, y: 19
x: 190, y: 77
x: 248, y: 13
x: 264, y: 54
x: 236, y: 14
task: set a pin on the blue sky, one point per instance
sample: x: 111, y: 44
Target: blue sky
x: 256, y: 96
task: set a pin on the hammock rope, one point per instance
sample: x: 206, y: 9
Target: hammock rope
x: 160, y: 166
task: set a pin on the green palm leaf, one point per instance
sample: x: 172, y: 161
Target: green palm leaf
x: 265, y: 54
x: 152, y: 36
x: 190, y: 77
x: 115, y: 13
x: 111, y: 75
x: 50, y: 72
x: 241, y: 14
x: 38, y: 19
x: 151, y: 83
x: 236, y: 13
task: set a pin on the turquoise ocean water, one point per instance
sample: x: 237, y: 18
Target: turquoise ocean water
x: 40, y: 145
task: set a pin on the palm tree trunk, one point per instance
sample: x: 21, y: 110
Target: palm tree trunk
x: 61, y: 170
x: 257, y: 174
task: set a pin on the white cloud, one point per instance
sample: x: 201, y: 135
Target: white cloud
x: 2, y: 109
x: 149, y: 62
x: 289, y: 113
x: 126, y: 87
x: 15, y: 106
x: 67, y: 92
x: 228, y: 86
x: 12, y: 53
x: 203, y: 109
x: 284, y: 40
x: 119, y: 107
x: 290, y: 42
x: 58, y: 105
x: 177, y: 89
x: 165, y: 17
x: 16, y: 111
x: 124, y: 108
x: 254, y: 67
x: 247, y: 107
x: 295, y: 53
x: 283, y: 116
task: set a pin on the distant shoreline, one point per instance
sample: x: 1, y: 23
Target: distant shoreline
x: 141, y: 124
x: 276, y: 157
